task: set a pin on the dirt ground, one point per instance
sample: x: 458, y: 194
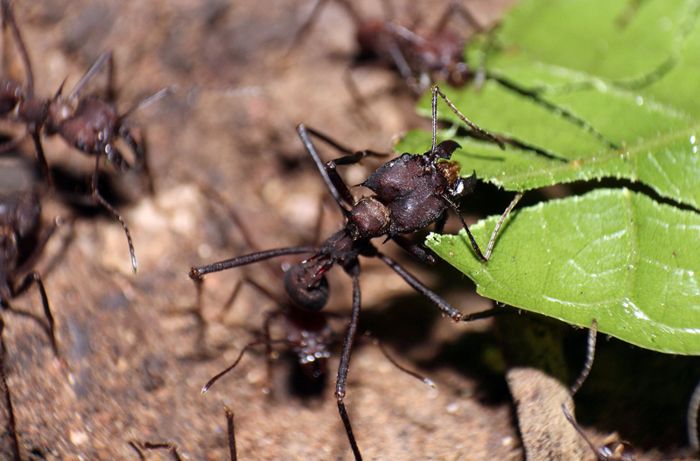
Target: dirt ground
x: 134, y: 364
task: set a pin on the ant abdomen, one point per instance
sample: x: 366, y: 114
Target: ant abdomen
x: 305, y: 290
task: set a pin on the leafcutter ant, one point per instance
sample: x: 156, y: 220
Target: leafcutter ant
x: 22, y: 239
x: 421, y: 55
x: 88, y: 123
x: 418, y: 205
x: 306, y: 330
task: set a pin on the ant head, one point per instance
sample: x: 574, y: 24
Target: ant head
x: 306, y: 290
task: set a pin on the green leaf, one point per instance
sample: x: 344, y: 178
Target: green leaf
x: 611, y: 255
x: 587, y: 97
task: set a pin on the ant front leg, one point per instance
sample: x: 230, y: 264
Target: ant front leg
x: 475, y: 245
x: 336, y: 186
x: 344, y: 365
x: 11, y: 423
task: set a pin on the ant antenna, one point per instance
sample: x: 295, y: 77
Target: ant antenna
x: 96, y: 194
x: 102, y: 59
x: 462, y: 117
x: 147, y: 101
x: 590, y: 355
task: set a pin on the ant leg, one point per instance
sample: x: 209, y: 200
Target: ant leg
x: 115, y: 156
x: 393, y: 361
x: 8, y: 17
x: 231, y: 434
x: 338, y: 189
x: 499, y: 224
x: 39, y: 148
x: 11, y: 423
x: 360, y: 102
x: 345, y: 363
x: 226, y: 308
x: 104, y: 58
x: 269, y: 355
x: 456, y: 7
x: 245, y: 349
x: 197, y: 272
x: 305, y: 28
x: 569, y: 417
x: 438, y: 92
x: 475, y: 245
x: 404, y: 68
x: 443, y: 305
x: 417, y: 250
x: 99, y: 199
x: 588, y: 365
x: 29, y: 263
x: 436, y: 299
x: 140, y: 447
x: 140, y: 154
x: 692, y: 422
x: 35, y: 278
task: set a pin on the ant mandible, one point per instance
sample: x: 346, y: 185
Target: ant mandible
x: 306, y: 284
x: 90, y: 124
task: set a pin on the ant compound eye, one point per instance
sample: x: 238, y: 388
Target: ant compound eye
x: 296, y: 283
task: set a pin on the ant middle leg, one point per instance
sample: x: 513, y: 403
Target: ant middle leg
x: 436, y: 299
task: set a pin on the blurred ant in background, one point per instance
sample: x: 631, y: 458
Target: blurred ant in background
x: 88, y: 123
x: 22, y: 241
x: 421, y: 55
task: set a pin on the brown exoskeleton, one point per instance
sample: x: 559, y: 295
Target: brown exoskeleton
x: 22, y: 239
x: 421, y: 55
x: 89, y: 123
